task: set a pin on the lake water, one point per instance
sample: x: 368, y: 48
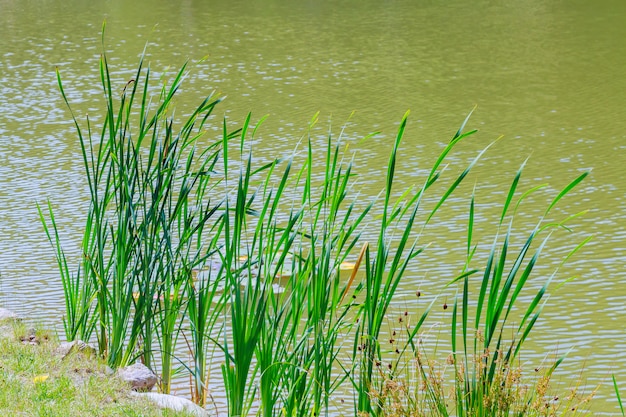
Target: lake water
x: 548, y: 76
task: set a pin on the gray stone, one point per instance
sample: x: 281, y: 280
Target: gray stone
x: 138, y: 376
x: 76, y: 346
x: 7, y: 317
x: 6, y: 331
x: 107, y: 370
x: 6, y: 314
x: 174, y: 403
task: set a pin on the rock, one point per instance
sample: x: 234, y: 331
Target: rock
x: 6, y: 332
x: 107, y: 370
x: 6, y: 314
x: 67, y: 348
x: 174, y: 403
x: 138, y: 376
x: 6, y: 325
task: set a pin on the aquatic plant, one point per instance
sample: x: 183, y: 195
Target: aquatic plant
x: 149, y: 206
x: 190, y: 237
x: 489, y: 335
x: 618, y: 396
x: 393, y: 255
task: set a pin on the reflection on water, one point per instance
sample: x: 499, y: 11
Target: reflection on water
x: 547, y: 75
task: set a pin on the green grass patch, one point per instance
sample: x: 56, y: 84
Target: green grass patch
x: 36, y: 381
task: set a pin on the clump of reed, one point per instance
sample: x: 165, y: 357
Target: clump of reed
x: 149, y: 216
x: 189, y: 238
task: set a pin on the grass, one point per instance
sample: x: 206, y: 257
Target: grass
x: 517, y: 391
x: 189, y: 238
x: 35, y: 381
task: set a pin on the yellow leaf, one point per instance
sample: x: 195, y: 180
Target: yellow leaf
x: 40, y: 378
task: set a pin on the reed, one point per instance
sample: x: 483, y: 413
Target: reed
x: 486, y: 373
x: 618, y: 396
x: 191, y: 237
x: 204, y: 307
x: 247, y: 306
x: 504, y: 277
x: 148, y: 209
x: 391, y: 258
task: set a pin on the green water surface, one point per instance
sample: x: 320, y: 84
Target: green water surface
x: 550, y: 76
